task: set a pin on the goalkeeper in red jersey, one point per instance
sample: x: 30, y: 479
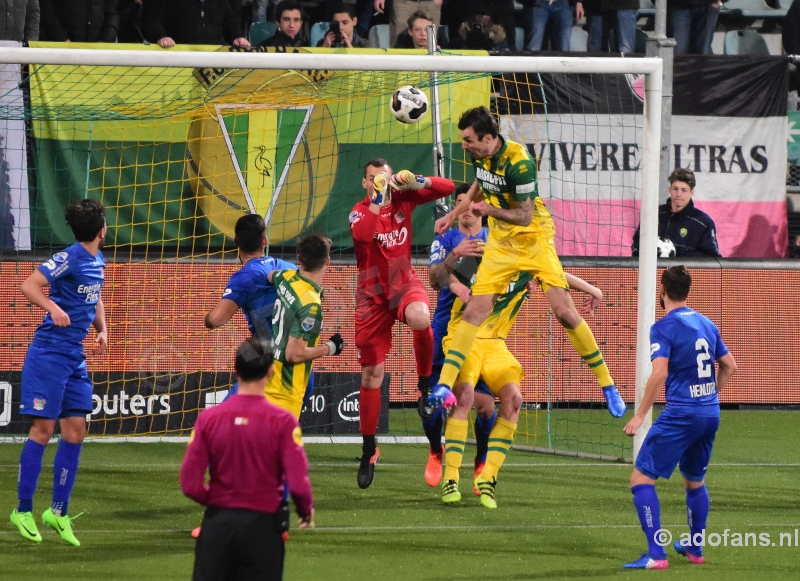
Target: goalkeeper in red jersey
x: 388, y: 288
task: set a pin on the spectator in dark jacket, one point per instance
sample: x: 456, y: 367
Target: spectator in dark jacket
x: 171, y: 22
x: 791, y: 29
x: 691, y: 23
x: 21, y: 20
x: 692, y: 231
x: 289, y: 16
x: 79, y: 20
x: 604, y: 16
x: 480, y: 33
x: 345, y: 16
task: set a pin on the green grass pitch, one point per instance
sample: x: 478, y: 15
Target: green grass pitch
x: 558, y: 518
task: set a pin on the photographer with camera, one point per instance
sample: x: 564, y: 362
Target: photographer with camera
x: 342, y: 32
x: 480, y: 33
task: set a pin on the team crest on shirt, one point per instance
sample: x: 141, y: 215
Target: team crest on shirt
x: 38, y: 404
x: 502, y: 165
x: 399, y: 217
x: 308, y: 323
x: 683, y: 232
x: 355, y: 216
x: 60, y: 256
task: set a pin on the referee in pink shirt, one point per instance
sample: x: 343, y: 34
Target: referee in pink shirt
x: 250, y: 448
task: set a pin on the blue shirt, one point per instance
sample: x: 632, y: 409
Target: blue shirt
x: 692, y: 344
x: 441, y: 247
x: 76, y: 278
x: 251, y: 290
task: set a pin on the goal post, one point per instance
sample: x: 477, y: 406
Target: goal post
x: 215, y: 124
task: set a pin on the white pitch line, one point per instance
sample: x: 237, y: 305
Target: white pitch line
x: 467, y: 528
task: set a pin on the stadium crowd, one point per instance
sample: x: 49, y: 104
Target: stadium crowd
x: 560, y: 25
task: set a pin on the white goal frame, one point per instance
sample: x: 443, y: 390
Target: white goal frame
x: 651, y: 68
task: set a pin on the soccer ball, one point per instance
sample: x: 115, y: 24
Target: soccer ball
x: 665, y: 247
x: 409, y: 104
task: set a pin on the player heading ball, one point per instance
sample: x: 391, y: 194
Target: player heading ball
x: 55, y: 384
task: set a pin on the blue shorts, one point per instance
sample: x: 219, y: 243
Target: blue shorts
x: 55, y: 383
x: 677, y: 438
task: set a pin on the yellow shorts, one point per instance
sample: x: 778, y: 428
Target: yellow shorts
x: 503, y: 258
x: 291, y: 404
x: 491, y: 361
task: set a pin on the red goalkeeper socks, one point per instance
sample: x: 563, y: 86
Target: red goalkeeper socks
x: 369, y: 410
x: 423, y: 351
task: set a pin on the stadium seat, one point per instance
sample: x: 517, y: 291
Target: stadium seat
x: 754, y: 9
x: 745, y: 42
x: 261, y: 31
x: 647, y: 8
x: 318, y: 32
x: 379, y: 36
x: 578, y: 40
x: 785, y: 4
x: 641, y: 41
x: 519, y: 38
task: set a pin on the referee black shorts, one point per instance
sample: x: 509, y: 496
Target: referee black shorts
x: 238, y: 545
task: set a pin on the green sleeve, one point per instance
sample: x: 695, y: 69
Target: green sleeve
x: 521, y: 181
x: 307, y: 323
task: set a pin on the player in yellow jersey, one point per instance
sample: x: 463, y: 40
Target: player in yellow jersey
x: 521, y: 239
x: 297, y: 322
x: 490, y: 360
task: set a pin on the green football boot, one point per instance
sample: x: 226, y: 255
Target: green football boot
x: 486, y: 488
x: 26, y: 524
x: 450, y: 491
x: 62, y: 525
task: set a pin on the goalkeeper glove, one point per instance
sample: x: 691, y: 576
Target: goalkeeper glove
x: 335, y: 344
x: 380, y: 189
x: 405, y: 180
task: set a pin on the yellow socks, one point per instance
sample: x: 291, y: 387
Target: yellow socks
x: 460, y: 346
x: 455, y: 438
x: 586, y: 346
x: 500, y: 440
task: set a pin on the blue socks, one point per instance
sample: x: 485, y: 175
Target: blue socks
x: 483, y: 428
x: 65, y: 468
x: 433, y: 431
x: 648, y: 508
x: 30, y: 465
x: 697, y: 505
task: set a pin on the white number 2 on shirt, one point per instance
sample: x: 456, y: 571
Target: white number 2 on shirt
x: 703, y: 358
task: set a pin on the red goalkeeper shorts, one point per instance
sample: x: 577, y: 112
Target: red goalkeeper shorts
x: 375, y: 317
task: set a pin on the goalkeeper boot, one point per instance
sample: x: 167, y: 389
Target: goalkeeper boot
x: 616, y: 407
x: 62, y: 525
x: 486, y: 488
x: 433, y: 470
x: 478, y: 469
x: 26, y: 524
x: 366, y: 469
x: 694, y: 554
x: 647, y: 562
x: 450, y: 492
x: 441, y: 396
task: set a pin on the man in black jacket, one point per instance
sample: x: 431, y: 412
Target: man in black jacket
x: 171, y: 22
x: 78, y: 20
x: 289, y: 16
x: 692, y: 231
x: 691, y: 23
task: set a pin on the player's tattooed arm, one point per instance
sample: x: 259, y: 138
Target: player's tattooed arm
x: 99, y: 325
x: 33, y: 289
x: 440, y: 273
x: 519, y: 216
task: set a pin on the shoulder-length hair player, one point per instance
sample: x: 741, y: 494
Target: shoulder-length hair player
x: 685, y: 348
x: 55, y: 384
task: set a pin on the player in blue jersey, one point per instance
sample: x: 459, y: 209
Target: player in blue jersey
x: 466, y: 240
x: 55, y: 383
x: 685, y: 348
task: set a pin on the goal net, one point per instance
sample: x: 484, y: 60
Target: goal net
x: 179, y: 145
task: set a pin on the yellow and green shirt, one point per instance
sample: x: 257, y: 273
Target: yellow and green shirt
x: 298, y: 313
x: 498, y: 324
x: 507, y: 178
